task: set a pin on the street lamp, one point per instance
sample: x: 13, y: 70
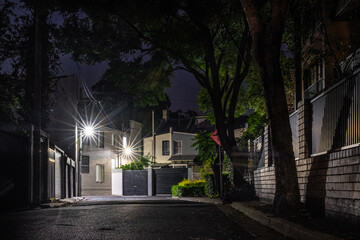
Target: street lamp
x: 127, y: 151
x: 89, y: 131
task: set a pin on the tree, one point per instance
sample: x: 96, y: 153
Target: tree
x: 209, y: 39
x: 266, y: 21
x: 27, y: 32
x: 207, y: 154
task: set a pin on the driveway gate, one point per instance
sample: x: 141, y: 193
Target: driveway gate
x: 135, y: 182
x: 166, y: 177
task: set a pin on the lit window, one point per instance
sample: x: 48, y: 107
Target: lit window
x: 113, y: 139
x: 99, y: 173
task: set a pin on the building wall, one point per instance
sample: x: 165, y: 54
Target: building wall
x: 186, y: 139
x: 102, y: 156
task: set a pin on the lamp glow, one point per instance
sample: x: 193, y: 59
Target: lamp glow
x: 127, y: 151
x: 89, y: 131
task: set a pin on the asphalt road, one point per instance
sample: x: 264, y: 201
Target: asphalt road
x: 153, y: 220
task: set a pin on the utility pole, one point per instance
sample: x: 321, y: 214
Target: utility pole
x: 35, y: 109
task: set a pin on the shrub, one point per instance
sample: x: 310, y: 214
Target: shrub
x: 187, y: 188
x: 137, y: 164
x: 210, y: 187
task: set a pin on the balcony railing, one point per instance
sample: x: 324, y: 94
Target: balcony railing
x: 314, y: 89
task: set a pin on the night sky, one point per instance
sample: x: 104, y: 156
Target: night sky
x: 182, y: 93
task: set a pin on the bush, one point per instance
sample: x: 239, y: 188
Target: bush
x: 210, y: 188
x: 137, y: 164
x: 187, y: 188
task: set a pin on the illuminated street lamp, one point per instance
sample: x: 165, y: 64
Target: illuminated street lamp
x: 89, y: 131
x: 127, y: 151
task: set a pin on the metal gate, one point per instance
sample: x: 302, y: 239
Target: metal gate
x: 135, y: 182
x: 166, y: 177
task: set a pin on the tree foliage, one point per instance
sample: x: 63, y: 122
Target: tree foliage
x: 17, y: 57
x: 205, y: 147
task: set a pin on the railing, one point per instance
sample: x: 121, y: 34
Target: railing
x: 314, y: 89
x: 294, y: 124
x: 336, y: 116
x: 259, y: 152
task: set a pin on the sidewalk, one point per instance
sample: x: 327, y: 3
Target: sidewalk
x: 62, y: 202
x: 288, y: 229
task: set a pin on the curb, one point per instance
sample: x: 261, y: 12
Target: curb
x: 287, y: 228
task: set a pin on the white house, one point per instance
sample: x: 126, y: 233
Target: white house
x: 171, y: 145
x: 102, y: 153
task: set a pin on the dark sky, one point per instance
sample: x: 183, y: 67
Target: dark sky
x: 182, y: 93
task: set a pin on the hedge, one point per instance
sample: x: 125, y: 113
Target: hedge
x: 187, y: 188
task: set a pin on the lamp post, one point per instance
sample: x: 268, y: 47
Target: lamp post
x: 86, y: 131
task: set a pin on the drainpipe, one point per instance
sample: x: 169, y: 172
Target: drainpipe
x: 171, y: 142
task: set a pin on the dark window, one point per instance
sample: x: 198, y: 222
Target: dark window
x: 100, y: 139
x: 165, y: 147
x: 85, y: 164
x: 177, y: 147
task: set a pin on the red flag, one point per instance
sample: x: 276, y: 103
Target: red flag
x: 214, y: 136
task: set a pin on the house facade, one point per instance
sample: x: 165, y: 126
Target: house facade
x: 104, y: 152
x: 171, y: 144
x: 325, y: 125
x: 173, y: 148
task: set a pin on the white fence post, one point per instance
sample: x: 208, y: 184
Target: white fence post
x: 190, y: 174
x: 150, y: 184
x: 117, y: 182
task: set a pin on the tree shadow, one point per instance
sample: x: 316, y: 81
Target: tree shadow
x: 316, y: 185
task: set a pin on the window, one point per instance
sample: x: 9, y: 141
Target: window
x: 113, y: 139
x: 313, y: 74
x: 99, y: 173
x: 100, y: 139
x: 85, y: 164
x: 165, y: 147
x: 177, y: 147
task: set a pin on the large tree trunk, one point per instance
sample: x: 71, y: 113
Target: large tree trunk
x: 266, y: 51
x: 216, y: 169
x: 287, y: 188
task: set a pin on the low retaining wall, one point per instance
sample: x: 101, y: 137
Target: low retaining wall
x: 329, y: 182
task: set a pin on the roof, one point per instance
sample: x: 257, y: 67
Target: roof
x: 178, y: 125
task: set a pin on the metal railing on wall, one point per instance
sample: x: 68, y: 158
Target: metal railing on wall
x: 336, y: 115
x: 294, y: 124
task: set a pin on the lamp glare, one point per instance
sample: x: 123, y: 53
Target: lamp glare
x: 88, y: 131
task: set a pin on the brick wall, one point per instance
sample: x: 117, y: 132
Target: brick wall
x: 329, y: 183
x: 264, y: 179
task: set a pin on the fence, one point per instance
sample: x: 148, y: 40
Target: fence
x: 336, y: 115
x: 294, y: 124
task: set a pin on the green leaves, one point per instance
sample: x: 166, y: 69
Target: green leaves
x: 205, y: 146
